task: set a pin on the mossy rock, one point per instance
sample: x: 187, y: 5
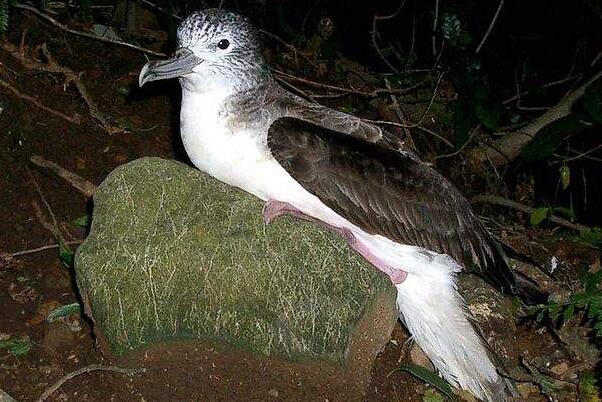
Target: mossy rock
x: 173, y: 254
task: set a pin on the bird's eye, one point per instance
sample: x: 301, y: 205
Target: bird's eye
x: 223, y: 44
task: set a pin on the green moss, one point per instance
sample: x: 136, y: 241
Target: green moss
x: 174, y: 254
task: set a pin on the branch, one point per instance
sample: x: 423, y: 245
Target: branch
x: 84, y: 34
x: 71, y: 77
x: 374, y: 34
x: 402, y: 125
x: 435, y: 19
x: 504, y: 202
x: 78, y: 182
x: 37, y: 250
x: 71, y: 119
x: 507, y: 148
x: 367, y: 94
x: 461, y: 148
x: 87, y: 369
x: 497, y: 14
x: 5, y: 257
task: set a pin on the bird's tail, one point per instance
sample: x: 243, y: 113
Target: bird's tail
x: 435, y: 314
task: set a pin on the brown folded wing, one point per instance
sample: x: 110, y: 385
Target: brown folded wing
x: 389, y: 193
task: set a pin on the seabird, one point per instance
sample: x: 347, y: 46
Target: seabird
x: 318, y: 164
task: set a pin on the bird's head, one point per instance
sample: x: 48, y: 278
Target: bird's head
x: 216, y: 50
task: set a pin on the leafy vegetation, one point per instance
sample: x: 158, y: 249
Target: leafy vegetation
x: 64, y: 311
x: 65, y: 254
x: 589, y: 389
x: 428, y: 377
x: 17, y: 346
x: 589, y: 301
x: 4, y: 6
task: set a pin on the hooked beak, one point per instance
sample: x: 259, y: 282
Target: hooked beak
x: 181, y: 63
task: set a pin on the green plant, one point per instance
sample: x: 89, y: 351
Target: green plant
x: 17, y: 346
x: 541, y: 214
x: 589, y: 391
x: 593, y: 237
x: 4, y: 5
x: 82, y: 222
x: 429, y: 377
x: 65, y: 254
x: 64, y: 311
x: 589, y: 300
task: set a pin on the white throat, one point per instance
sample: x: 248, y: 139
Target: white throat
x: 229, y: 152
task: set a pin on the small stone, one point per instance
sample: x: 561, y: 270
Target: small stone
x: 273, y: 393
x: 22, y: 294
x: 559, y: 369
x: 418, y: 357
x: 527, y: 389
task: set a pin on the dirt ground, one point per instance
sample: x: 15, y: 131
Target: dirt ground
x: 34, y: 202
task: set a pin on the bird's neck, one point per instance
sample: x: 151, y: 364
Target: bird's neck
x: 233, y: 108
x: 230, y: 84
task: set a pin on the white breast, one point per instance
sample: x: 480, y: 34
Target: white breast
x: 239, y: 158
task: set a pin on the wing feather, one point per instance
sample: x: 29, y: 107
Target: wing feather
x: 389, y: 193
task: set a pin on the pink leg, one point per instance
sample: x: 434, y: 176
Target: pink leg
x: 274, y: 209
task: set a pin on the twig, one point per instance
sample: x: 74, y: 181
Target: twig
x: 85, y: 34
x: 54, y: 227
x: 422, y: 117
x: 71, y: 77
x: 578, y: 156
x: 81, y: 88
x: 496, y: 15
x: 374, y: 33
x: 595, y: 60
x: 433, y: 95
x: 372, y: 94
x: 295, y: 89
x: 457, y: 151
x: 547, y: 85
x: 413, y: 42
x: 395, y: 112
x: 10, y: 256
x: 71, y: 119
x: 157, y: 7
x: 87, y: 369
x: 397, y: 109
x: 426, y: 130
x: 511, y: 145
x: 435, y: 20
x: 497, y: 200
x: 78, y: 182
x: 289, y: 46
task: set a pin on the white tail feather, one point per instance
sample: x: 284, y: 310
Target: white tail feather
x: 435, y: 314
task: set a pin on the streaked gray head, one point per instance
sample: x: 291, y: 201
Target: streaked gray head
x: 217, y: 49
